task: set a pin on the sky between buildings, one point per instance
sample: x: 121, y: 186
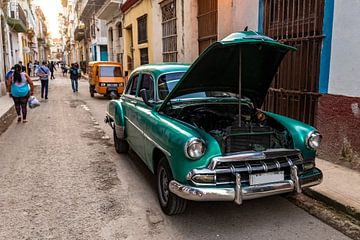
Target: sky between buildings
x: 51, y: 9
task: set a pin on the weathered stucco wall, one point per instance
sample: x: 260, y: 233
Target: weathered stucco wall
x: 338, y: 120
x: 130, y: 20
x: 345, y: 52
x: 235, y: 15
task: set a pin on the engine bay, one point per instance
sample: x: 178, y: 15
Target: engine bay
x: 256, y: 131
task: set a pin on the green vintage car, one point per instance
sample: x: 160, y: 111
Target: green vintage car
x: 200, y: 130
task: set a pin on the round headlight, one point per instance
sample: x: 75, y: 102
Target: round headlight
x: 313, y: 140
x: 195, y: 148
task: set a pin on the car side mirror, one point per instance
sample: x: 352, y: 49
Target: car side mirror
x: 145, y: 96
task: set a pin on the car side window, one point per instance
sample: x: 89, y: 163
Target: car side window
x: 147, y: 83
x: 133, y: 85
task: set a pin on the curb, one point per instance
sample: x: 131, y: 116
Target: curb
x: 348, y: 210
x: 7, y: 119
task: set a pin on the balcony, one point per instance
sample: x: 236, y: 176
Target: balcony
x: 16, y: 17
x: 110, y: 7
x: 89, y: 8
x: 79, y: 33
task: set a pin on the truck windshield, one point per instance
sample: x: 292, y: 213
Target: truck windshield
x: 110, y: 71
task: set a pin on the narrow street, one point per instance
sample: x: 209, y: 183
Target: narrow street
x: 62, y: 179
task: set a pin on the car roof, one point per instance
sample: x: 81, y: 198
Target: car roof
x: 159, y: 69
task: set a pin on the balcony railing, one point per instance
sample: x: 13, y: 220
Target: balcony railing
x: 16, y: 17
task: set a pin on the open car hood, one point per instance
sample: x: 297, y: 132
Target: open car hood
x: 218, y: 67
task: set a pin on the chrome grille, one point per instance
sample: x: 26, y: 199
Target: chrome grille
x: 225, y: 171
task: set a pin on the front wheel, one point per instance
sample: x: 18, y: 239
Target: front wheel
x: 169, y: 202
x: 121, y: 145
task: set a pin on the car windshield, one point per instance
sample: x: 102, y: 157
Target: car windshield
x: 110, y: 71
x: 167, y: 82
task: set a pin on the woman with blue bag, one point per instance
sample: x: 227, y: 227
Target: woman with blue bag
x: 20, y: 87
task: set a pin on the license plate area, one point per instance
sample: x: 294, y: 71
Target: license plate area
x: 269, y: 177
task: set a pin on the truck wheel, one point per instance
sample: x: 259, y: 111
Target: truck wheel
x: 169, y: 202
x: 121, y: 146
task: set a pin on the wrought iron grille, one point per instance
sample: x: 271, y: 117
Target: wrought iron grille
x: 142, y: 29
x: 169, y: 33
x: 207, y: 23
x: 299, y: 23
x: 144, y: 58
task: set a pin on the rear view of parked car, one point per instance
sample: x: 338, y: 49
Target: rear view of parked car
x: 201, y: 131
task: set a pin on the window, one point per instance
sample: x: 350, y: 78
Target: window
x: 133, y: 85
x: 93, y: 31
x: 142, y: 29
x: 167, y: 82
x: 147, y: 83
x: 144, y: 59
x: 111, y: 37
x: 169, y: 31
x: 119, y: 29
x: 110, y: 71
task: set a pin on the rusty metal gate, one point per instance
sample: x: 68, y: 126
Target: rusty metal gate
x: 298, y: 23
x: 207, y: 23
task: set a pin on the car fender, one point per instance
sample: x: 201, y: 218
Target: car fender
x: 116, y: 114
x: 298, y: 131
x: 170, y: 137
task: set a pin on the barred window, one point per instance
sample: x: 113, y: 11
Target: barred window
x: 119, y: 28
x: 142, y: 29
x: 144, y: 58
x: 169, y: 36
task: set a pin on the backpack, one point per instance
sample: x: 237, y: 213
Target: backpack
x: 74, y: 72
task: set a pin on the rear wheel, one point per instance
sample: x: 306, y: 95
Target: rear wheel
x: 169, y: 202
x: 121, y: 145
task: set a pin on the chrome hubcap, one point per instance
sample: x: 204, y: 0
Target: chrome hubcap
x: 163, y: 185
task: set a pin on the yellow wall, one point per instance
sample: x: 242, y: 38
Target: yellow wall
x: 130, y: 20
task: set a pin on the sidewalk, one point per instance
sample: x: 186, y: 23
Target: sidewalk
x: 7, y: 112
x: 340, y: 187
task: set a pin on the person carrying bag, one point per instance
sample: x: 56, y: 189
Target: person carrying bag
x: 20, y: 87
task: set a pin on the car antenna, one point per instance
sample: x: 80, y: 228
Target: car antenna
x: 240, y: 70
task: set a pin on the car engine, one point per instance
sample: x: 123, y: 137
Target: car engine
x: 256, y: 131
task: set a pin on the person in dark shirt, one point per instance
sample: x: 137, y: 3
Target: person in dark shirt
x: 23, y: 68
x: 74, y: 76
x: 52, y: 68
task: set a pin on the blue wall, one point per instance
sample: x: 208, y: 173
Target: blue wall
x: 326, y: 47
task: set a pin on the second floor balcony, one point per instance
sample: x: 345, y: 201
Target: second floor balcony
x: 16, y: 17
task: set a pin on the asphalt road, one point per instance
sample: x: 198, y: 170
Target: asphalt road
x: 60, y: 178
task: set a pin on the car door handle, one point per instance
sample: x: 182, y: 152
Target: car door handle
x: 133, y: 102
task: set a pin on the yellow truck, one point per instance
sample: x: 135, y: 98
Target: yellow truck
x: 106, y: 78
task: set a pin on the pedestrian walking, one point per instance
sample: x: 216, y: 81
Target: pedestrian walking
x: 20, y: 87
x: 36, y: 65
x: 74, y: 76
x: 64, y: 69
x: 8, y: 75
x: 29, y: 68
x: 43, y: 72
x: 52, y: 68
x: 23, y: 68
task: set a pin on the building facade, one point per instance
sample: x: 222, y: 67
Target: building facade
x: 111, y: 14
x: 20, y: 30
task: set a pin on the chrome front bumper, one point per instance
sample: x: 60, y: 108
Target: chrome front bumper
x: 240, y: 193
